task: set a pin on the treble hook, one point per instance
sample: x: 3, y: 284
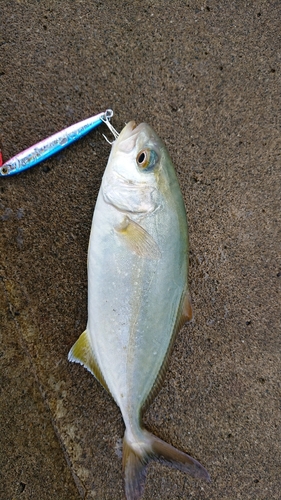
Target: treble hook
x: 107, y: 115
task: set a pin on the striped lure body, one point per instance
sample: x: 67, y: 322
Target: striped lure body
x: 52, y: 145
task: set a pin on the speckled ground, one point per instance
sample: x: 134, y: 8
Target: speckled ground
x: 206, y: 75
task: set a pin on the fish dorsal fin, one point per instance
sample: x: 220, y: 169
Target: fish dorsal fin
x: 184, y: 314
x: 138, y: 239
x: 81, y: 352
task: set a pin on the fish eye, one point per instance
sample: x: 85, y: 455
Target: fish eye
x: 147, y: 159
x: 141, y: 157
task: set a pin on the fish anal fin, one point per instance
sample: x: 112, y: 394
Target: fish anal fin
x: 138, y: 239
x: 146, y: 448
x: 81, y: 352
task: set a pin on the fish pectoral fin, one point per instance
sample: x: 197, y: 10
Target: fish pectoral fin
x: 81, y: 352
x: 136, y: 459
x: 138, y: 239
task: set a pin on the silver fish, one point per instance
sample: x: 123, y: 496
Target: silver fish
x: 52, y: 145
x: 138, y: 295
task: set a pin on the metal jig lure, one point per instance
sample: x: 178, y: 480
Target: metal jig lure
x: 52, y: 145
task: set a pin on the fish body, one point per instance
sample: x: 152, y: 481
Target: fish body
x: 137, y: 291
x: 52, y: 145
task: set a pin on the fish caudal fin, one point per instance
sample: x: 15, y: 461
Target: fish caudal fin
x: 134, y: 468
x: 137, y: 456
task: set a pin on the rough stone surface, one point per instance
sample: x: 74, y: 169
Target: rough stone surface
x: 206, y: 75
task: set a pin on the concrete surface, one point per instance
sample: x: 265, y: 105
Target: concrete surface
x: 206, y: 75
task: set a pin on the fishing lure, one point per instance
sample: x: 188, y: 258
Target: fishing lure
x: 52, y: 145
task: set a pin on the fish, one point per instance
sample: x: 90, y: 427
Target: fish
x: 52, y: 145
x: 138, y: 297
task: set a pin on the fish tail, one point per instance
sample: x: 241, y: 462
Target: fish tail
x: 134, y: 468
x: 136, y: 457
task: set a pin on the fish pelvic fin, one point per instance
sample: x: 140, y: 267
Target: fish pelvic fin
x: 136, y: 457
x: 81, y: 352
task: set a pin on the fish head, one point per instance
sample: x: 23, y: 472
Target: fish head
x: 138, y: 152
x: 139, y: 160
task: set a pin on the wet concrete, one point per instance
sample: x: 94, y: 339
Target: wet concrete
x: 206, y: 76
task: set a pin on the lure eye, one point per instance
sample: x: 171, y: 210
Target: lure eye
x: 147, y: 159
x: 4, y: 170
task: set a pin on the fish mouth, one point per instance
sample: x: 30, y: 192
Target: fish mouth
x: 126, y: 140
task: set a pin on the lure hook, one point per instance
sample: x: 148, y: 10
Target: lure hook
x: 107, y: 115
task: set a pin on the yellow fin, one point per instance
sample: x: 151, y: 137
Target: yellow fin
x: 186, y: 314
x: 138, y: 239
x: 81, y: 352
